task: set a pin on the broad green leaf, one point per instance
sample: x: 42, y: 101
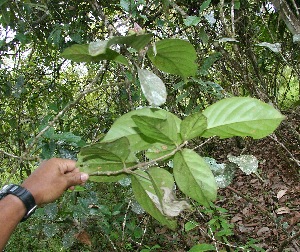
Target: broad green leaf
x: 146, y: 196
x: 241, y: 116
x: 190, y: 225
x: 135, y: 41
x: 67, y: 137
x: 117, y: 150
x: 125, y: 126
x: 247, y: 163
x: 194, y: 177
x: 203, y: 35
x: 2, y: 2
x: 193, y: 126
x: 174, y: 56
x: 100, y: 165
x: 163, y: 184
x: 158, y: 150
x: 51, y: 229
x: 156, y: 129
x: 204, y: 5
x: 208, y: 62
x: 191, y: 20
x: 202, y: 248
x: 97, y: 47
x: 153, y: 87
x: 80, y: 53
x: 106, y: 157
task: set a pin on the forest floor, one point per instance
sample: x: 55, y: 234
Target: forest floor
x: 267, y: 208
x: 264, y: 208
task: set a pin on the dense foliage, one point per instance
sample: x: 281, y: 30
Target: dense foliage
x: 70, y: 69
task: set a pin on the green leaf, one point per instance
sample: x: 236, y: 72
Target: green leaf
x: 191, y: 20
x: 153, y: 87
x: 194, y: 177
x: 190, y: 225
x: 202, y: 247
x: 125, y: 126
x: 163, y: 184
x: 142, y: 187
x: 208, y: 62
x: 204, y: 5
x: 174, y: 56
x: 241, y: 116
x: 158, y: 150
x: 2, y: 2
x: 135, y: 41
x: 193, y: 126
x: 97, y: 47
x: 203, y: 35
x: 117, y: 150
x: 106, y: 157
x: 67, y: 137
x: 156, y: 129
x: 80, y: 53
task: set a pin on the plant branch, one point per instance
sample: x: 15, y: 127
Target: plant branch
x: 287, y: 241
x: 129, y: 170
x: 274, y: 138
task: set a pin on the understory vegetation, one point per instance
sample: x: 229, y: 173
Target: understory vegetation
x: 184, y: 113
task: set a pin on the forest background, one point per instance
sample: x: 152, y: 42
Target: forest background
x: 53, y: 104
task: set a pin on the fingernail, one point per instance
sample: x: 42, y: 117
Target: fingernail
x: 84, y: 177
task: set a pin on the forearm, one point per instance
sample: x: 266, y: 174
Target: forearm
x: 12, y: 211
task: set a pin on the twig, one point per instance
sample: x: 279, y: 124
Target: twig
x: 180, y: 10
x: 274, y: 138
x: 205, y: 142
x: 129, y: 170
x: 287, y: 241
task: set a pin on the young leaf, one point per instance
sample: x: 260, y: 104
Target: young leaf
x: 156, y: 129
x: 125, y: 126
x: 80, y: 53
x: 146, y: 196
x: 174, y: 56
x: 193, y: 126
x: 194, y: 177
x: 106, y: 157
x: 241, y: 116
x: 153, y: 87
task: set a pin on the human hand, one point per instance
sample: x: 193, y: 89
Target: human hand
x: 54, y: 176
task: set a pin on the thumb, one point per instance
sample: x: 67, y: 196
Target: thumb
x: 77, y: 178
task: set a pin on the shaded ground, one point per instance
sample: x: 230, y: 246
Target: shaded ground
x: 266, y: 208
